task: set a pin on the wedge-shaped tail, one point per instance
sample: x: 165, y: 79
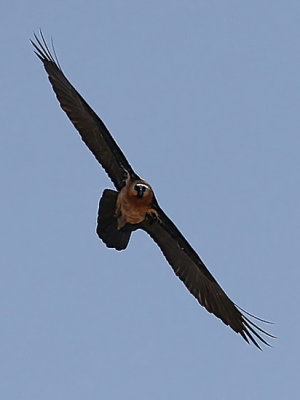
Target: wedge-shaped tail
x: 107, y: 228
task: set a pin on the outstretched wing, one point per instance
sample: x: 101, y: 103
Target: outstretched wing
x: 90, y: 127
x: 191, y: 270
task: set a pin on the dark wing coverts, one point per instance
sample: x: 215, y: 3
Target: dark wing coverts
x: 90, y: 127
x: 183, y: 259
x: 188, y: 266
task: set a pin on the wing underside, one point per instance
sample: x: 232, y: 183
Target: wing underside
x: 90, y: 127
x: 198, y: 280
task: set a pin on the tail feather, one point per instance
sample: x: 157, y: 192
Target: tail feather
x: 107, y: 228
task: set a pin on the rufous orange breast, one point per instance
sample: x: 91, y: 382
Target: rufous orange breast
x: 134, y: 203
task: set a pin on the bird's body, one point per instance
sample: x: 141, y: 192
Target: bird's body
x: 133, y: 205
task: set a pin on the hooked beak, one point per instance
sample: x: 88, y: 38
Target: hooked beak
x: 140, y: 189
x: 140, y: 192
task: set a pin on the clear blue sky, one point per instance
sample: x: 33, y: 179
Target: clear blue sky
x: 203, y: 97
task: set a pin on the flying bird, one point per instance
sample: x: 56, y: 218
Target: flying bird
x: 133, y: 206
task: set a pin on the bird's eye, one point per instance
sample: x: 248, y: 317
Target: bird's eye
x: 140, y: 188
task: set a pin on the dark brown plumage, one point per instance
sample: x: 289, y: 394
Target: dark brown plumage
x: 134, y: 206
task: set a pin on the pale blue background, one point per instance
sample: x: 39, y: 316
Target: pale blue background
x: 203, y: 97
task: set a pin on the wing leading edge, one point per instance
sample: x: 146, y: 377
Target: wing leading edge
x: 188, y: 266
x: 90, y: 127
